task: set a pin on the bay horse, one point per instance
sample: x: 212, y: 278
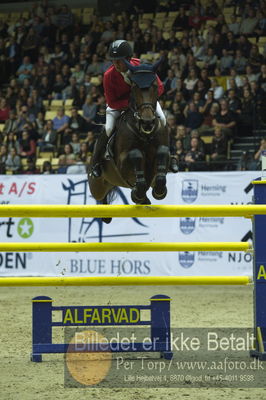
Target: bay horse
x: 138, y: 156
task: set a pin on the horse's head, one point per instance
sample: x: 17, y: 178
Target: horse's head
x: 144, y: 94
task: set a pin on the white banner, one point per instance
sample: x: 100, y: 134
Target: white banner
x: 183, y: 188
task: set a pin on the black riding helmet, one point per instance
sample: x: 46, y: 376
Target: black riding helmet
x: 120, y: 49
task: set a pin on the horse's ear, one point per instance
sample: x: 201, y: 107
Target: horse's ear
x: 156, y: 65
x: 131, y: 67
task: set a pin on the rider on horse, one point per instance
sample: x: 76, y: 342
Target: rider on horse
x: 117, y: 92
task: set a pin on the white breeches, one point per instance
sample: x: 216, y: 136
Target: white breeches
x: 112, y: 115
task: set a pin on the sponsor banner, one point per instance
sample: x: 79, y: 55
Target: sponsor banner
x: 183, y: 188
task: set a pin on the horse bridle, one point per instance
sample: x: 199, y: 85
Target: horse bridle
x: 137, y: 109
x: 144, y: 105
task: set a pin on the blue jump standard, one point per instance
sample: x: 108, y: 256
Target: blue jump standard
x: 259, y: 272
x: 159, y: 322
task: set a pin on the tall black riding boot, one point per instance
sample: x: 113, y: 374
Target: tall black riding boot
x: 98, y: 154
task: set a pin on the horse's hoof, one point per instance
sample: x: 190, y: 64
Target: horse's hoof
x: 136, y: 198
x: 160, y: 190
x: 107, y: 220
x: 159, y: 196
x: 146, y: 201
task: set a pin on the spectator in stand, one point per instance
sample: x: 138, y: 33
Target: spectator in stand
x: 209, y: 100
x: 250, y: 75
x: 257, y: 155
x: 64, y: 20
x: 180, y: 133
x: 226, y: 62
x: 95, y: 66
x: 13, y: 162
x: 47, y: 168
x: 66, y: 74
x: 261, y: 27
x: 262, y: 78
x: 45, y: 88
x: 171, y: 127
x: 218, y: 147
x: 193, y: 117
x: 187, y: 141
x: 177, y: 112
x: 39, y: 125
x: 80, y: 97
x: 84, y: 155
x: 70, y: 91
x: 27, y: 148
x: 66, y: 158
x: 58, y: 87
x: 170, y: 84
x: 248, y: 24
x: 218, y: 90
x: 78, y: 74
x: 210, y: 60
x: 200, y: 89
x: 181, y: 20
x: 194, y: 158
x: 89, y: 109
x: 236, y: 78
x: 205, y: 78
x: 240, y: 62
x: 11, y: 97
x: 10, y: 140
x: 244, y: 45
x: 60, y: 123
x: 13, y: 55
x: 75, y: 143
x: 76, y: 122
x: 256, y: 93
x: 25, y: 69
x: 33, y: 109
x: 190, y: 82
x: 225, y: 120
x: 49, y: 137
x: 4, y: 110
x: 234, y: 103
x: 11, y: 124
x: 197, y: 48
x: 230, y: 44
x: 29, y: 45
x: 246, y: 118
x: 3, y: 158
x: 90, y: 140
x: 218, y: 43
x: 179, y: 153
x: 209, y: 115
x: 31, y: 167
x: 234, y: 26
x: 24, y: 118
x: 255, y: 59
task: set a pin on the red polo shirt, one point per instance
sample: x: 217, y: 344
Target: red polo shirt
x: 117, y: 91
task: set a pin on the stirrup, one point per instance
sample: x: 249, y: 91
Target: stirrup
x: 96, y: 170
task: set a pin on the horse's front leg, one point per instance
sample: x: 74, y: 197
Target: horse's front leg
x: 162, y: 162
x: 138, y: 193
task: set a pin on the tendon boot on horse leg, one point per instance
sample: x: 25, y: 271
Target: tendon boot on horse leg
x: 162, y: 160
x: 98, y: 154
x: 138, y: 193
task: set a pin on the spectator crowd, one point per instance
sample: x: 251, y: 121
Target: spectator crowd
x: 52, y: 62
